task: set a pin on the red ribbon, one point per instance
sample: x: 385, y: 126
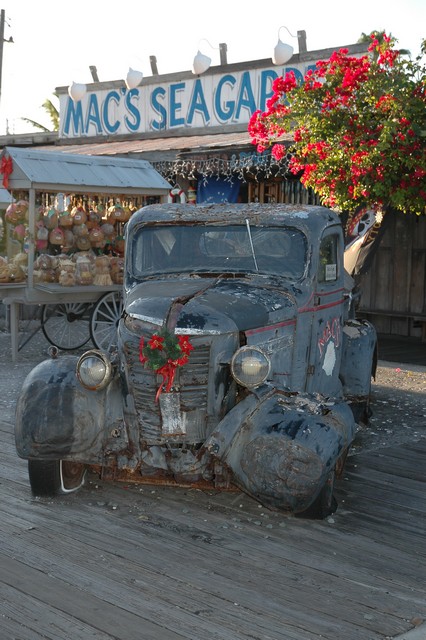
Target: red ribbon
x: 6, y: 168
x: 167, y: 371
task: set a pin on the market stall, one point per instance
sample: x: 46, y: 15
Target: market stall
x: 66, y: 225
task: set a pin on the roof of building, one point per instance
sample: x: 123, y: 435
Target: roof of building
x: 190, y: 143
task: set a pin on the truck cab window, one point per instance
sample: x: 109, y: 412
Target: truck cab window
x: 328, y: 267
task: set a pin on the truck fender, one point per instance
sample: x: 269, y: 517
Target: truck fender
x: 57, y: 418
x: 359, y: 358
x: 282, y: 448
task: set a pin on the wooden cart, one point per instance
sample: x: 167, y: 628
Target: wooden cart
x: 71, y: 316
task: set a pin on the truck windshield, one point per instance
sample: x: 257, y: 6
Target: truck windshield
x: 187, y: 249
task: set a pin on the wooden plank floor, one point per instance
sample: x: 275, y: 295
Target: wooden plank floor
x: 136, y: 562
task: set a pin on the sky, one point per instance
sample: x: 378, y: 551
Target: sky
x: 55, y: 42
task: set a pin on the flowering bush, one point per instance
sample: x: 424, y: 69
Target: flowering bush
x: 359, y: 128
x: 164, y: 353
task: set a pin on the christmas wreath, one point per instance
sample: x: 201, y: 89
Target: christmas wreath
x: 164, y: 352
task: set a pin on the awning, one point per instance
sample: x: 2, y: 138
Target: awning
x: 5, y: 198
x: 57, y: 171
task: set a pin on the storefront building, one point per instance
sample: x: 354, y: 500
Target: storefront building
x: 193, y: 130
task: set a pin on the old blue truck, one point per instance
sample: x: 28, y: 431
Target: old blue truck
x: 237, y: 361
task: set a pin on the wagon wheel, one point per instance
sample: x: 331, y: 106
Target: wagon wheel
x: 66, y: 325
x: 104, y: 321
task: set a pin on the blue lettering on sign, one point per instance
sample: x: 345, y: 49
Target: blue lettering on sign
x: 93, y: 116
x: 176, y: 106
x: 229, y: 105
x: 245, y: 98
x: 159, y: 108
x: 112, y: 95
x: 198, y: 103
x: 266, y: 79
x: 74, y: 117
x: 229, y: 98
x: 134, y: 123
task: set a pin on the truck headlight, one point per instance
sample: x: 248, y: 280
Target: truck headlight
x: 94, y: 370
x: 250, y: 366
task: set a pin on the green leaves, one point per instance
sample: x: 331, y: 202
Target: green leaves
x: 359, y: 126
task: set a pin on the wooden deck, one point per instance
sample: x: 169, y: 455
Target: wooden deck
x: 136, y: 562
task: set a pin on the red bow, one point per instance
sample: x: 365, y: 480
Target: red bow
x: 6, y: 168
x: 167, y: 371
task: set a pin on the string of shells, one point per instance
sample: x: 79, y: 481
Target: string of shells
x: 82, y: 268
x: 79, y: 240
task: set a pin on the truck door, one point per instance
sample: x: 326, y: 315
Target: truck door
x: 327, y: 316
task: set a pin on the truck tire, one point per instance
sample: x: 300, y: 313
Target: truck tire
x: 324, y: 504
x: 55, y: 477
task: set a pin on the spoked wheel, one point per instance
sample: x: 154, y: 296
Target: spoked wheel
x: 67, y: 325
x: 53, y: 477
x: 105, y: 317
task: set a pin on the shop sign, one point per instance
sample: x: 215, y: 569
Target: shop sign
x: 202, y: 101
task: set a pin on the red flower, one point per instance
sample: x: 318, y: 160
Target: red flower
x: 357, y: 127
x: 185, y: 346
x: 286, y: 84
x: 278, y: 151
x: 156, y: 342
x: 388, y: 57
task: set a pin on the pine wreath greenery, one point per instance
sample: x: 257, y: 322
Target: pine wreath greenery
x: 164, y: 353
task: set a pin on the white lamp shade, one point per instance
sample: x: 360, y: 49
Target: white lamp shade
x: 77, y: 91
x: 282, y: 53
x: 133, y: 78
x: 201, y: 63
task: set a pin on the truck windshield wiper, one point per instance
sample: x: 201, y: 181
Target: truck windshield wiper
x: 251, y: 245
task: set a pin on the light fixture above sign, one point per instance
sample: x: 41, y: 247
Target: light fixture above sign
x: 202, y: 62
x: 283, y: 51
x: 77, y: 91
x: 133, y: 78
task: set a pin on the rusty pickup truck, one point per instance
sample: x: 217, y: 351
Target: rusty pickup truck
x: 237, y: 362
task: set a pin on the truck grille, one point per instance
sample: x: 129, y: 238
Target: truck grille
x: 191, y: 383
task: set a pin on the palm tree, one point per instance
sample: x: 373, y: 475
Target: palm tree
x: 53, y: 113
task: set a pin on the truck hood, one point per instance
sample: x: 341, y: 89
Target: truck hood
x: 214, y: 305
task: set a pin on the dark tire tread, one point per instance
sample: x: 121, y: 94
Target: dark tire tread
x: 53, y: 477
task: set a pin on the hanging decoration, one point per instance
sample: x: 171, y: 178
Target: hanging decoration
x: 243, y: 166
x: 6, y: 168
x: 164, y: 353
x: 176, y: 193
x: 192, y: 195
